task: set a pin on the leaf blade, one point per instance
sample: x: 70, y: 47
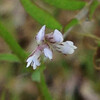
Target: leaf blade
x: 36, y: 75
x: 93, y: 7
x: 66, y: 4
x: 41, y: 16
x: 9, y: 39
x: 9, y: 57
x: 72, y: 23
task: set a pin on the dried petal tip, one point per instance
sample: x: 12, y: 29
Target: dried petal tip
x: 40, y: 35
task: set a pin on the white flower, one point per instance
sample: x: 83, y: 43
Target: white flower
x: 54, y: 40
x: 66, y: 47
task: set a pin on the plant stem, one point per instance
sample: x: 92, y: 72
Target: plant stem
x: 81, y: 15
x: 44, y: 89
x: 43, y: 86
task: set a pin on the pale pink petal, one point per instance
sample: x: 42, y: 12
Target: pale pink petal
x: 40, y: 35
x: 48, y: 53
x: 57, y: 36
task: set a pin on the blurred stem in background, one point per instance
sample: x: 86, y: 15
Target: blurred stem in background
x: 22, y: 55
x: 86, y: 12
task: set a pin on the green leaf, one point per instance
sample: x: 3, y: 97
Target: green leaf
x: 67, y: 4
x: 72, y: 23
x: 9, y: 39
x: 41, y: 16
x: 93, y: 7
x: 36, y: 75
x: 9, y: 57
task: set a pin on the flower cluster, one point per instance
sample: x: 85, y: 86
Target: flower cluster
x: 45, y: 44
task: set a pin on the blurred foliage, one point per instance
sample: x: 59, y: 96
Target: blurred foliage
x: 67, y: 4
x: 93, y: 7
x: 36, y: 75
x: 3, y: 96
x: 43, y: 17
x: 12, y: 43
x: 73, y: 22
x: 9, y: 57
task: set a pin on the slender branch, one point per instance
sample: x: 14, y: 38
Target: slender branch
x: 82, y: 14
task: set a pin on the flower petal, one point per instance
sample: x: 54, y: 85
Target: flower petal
x: 33, y: 60
x: 40, y: 35
x: 28, y: 64
x: 36, y: 61
x: 48, y: 53
x: 29, y: 60
x: 71, y: 44
x: 57, y: 36
x: 34, y: 66
x: 66, y: 47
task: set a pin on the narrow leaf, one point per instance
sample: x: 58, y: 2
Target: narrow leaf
x: 9, y: 39
x: 66, y: 4
x: 93, y: 7
x: 72, y: 23
x: 41, y: 16
x: 9, y: 57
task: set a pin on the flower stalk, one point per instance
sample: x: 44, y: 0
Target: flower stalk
x: 44, y: 89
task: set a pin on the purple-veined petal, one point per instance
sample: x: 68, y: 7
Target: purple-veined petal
x: 66, y: 47
x: 41, y: 34
x: 48, y: 53
x: 57, y: 36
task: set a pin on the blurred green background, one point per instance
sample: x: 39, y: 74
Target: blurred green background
x: 71, y: 77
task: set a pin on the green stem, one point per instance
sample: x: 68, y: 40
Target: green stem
x: 44, y: 89
x: 42, y: 84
